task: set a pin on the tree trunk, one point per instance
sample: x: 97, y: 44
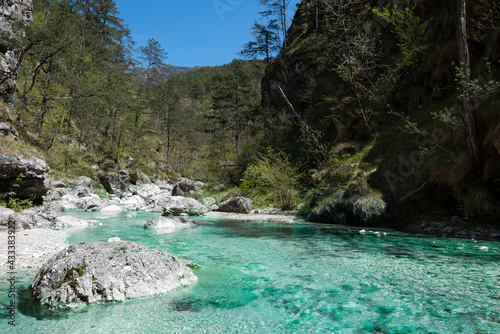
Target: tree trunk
x: 307, y: 16
x: 317, y: 16
x: 284, y: 23
x: 43, y: 107
x: 468, y: 102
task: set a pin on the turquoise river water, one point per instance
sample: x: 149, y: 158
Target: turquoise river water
x: 258, y: 277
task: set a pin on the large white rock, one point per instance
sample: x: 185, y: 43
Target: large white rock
x: 64, y: 221
x: 112, y: 208
x: 105, y: 272
x: 171, y: 222
x: 237, y: 204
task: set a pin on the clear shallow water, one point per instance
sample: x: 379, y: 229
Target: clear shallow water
x: 303, y: 278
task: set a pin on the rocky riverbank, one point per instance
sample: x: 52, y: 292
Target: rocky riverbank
x: 33, y: 247
x: 36, y: 238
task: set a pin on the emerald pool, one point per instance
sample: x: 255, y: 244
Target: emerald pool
x: 261, y: 277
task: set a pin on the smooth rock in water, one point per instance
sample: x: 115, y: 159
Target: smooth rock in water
x: 86, y: 273
x: 176, y: 205
x: 64, y: 221
x: 92, y: 202
x: 170, y: 222
x: 135, y: 201
x: 237, y: 204
x: 114, y: 239
x: 112, y: 208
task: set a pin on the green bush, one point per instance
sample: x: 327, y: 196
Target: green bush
x: 356, y: 205
x: 274, y: 177
x: 11, y: 200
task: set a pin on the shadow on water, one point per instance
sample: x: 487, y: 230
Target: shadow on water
x: 29, y: 307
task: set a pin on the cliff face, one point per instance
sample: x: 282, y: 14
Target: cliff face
x: 360, y: 106
x: 21, y: 171
x: 13, y: 14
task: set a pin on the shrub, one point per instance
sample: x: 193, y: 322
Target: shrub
x: 357, y: 205
x: 273, y: 176
x: 11, y: 200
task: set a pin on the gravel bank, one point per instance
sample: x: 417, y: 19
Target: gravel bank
x: 33, y: 247
x: 271, y: 218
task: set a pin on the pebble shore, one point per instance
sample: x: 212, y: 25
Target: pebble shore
x: 33, y: 248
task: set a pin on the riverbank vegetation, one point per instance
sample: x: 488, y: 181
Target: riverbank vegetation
x: 366, y: 112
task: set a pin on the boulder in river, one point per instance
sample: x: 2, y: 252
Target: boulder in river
x: 177, y: 205
x: 238, y: 204
x: 86, y: 273
x: 171, y: 222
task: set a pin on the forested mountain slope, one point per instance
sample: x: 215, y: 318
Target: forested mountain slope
x: 372, y: 113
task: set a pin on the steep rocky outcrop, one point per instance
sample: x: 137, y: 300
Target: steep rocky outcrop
x: 87, y: 273
x: 12, y: 13
x: 380, y: 96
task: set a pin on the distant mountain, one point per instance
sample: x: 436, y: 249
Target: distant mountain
x: 167, y: 71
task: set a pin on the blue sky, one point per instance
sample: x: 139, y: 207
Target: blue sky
x: 194, y: 32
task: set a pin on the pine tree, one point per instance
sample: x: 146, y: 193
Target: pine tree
x: 266, y: 41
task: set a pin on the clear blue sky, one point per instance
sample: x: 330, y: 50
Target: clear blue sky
x: 194, y: 32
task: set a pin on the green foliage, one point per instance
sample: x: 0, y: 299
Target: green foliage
x: 274, y: 176
x: 408, y: 27
x: 192, y: 266
x: 11, y: 200
x: 101, y: 192
x: 337, y: 208
x: 475, y: 88
x: 449, y: 117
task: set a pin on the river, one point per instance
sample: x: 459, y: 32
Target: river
x: 261, y: 277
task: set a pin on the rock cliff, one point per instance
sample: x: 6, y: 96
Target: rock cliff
x: 13, y: 13
x: 27, y: 177
x: 348, y: 81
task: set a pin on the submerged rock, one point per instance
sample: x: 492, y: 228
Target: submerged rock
x: 177, y: 205
x: 107, y: 272
x: 65, y: 221
x: 237, y: 204
x: 163, y: 222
